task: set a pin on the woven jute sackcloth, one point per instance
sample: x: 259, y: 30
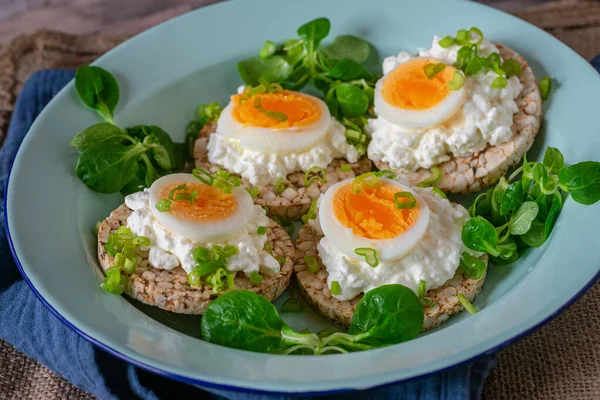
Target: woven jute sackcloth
x: 559, y: 361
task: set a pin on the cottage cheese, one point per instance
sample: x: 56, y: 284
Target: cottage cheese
x: 168, y: 249
x: 434, y: 260
x: 262, y: 168
x: 486, y: 117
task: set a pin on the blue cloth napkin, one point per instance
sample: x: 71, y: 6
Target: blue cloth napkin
x: 30, y: 327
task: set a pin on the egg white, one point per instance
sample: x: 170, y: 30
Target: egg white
x: 413, y: 119
x: 267, y: 140
x: 344, y: 239
x: 207, y: 231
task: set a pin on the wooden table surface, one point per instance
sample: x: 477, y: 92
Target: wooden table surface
x: 121, y: 16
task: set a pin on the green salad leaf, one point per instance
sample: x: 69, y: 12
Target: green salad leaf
x: 98, y: 89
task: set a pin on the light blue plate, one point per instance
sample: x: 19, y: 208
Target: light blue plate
x: 165, y: 72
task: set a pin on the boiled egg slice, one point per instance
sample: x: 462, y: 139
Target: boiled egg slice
x: 370, y: 219
x: 198, y: 211
x: 408, y: 98
x: 278, y: 122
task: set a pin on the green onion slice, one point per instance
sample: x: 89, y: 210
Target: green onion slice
x: 422, y: 288
x: 478, y: 33
x: 512, y: 68
x: 311, y: 263
x: 320, y: 176
x: 353, y: 136
x: 427, y: 302
x: 499, y: 83
x: 457, y: 82
x: 466, y: 304
x: 256, y: 278
x: 432, y: 69
x: 231, y: 281
x: 370, y: 255
x: 545, y: 87
x: 230, y: 251
x: 335, y: 288
x: 368, y: 179
x: 253, y: 192
x: 129, y: 265
x: 261, y: 230
x: 462, y: 37
x: 208, y: 267
x: 183, y: 186
x: 279, y: 186
x: 203, y: 176
x: 385, y: 173
x: 292, y: 305
x: 411, y: 203
x: 120, y: 259
x: 164, y: 205
x: 201, y: 254
x: 194, y: 278
x: 445, y: 42
x: 312, y: 212
x: 268, y: 247
x: 439, y: 192
x: 345, y: 168
x: 434, y: 178
x: 280, y: 259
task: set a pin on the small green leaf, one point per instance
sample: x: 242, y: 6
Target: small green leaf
x: 553, y: 213
x: 95, y: 134
x: 350, y: 47
x: 553, y: 160
x: 272, y: 69
x: 98, y: 89
x: 347, y: 70
x: 536, y: 235
x: 480, y: 235
x: 521, y: 220
x: 315, y: 31
x: 512, y: 198
x: 268, y: 49
x: 473, y: 267
x: 352, y: 100
x: 582, y: 181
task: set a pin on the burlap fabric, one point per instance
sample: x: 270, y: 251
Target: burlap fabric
x: 559, y: 361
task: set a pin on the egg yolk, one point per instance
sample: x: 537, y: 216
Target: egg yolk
x: 408, y: 87
x: 211, y: 204
x: 372, y: 213
x: 278, y: 110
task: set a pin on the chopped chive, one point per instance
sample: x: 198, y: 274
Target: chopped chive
x: 439, y: 192
x: 466, y: 304
x: 292, y: 305
x: 370, y: 255
x: 164, y: 205
x: 385, y: 173
x: 411, y: 203
x: 124, y: 232
x: 253, y: 192
x: 476, y: 31
x: 194, y: 278
x: 268, y: 247
x: 312, y: 212
x: 261, y: 230
x: 177, y: 188
x: 353, y: 136
x: 230, y: 251
x: 457, y: 82
x: 281, y: 260
x: 193, y: 196
x: 345, y: 168
x: 422, y: 288
x: 203, y: 176
x: 512, y: 68
x: 445, y: 42
x: 434, y: 178
x: 499, y: 83
x: 130, y: 265
x: 119, y: 260
x: 279, y: 186
x: 311, y: 263
x: 223, y: 184
x: 335, y: 288
x: 231, y: 281
x: 320, y: 175
x: 208, y: 267
x: 368, y: 179
x: 545, y: 87
x: 142, y: 241
x: 114, y: 281
x: 256, y: 278
x: 431, y: 69
x: 201, y: 254
x: 427, y: 302
x: 462, y: 37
